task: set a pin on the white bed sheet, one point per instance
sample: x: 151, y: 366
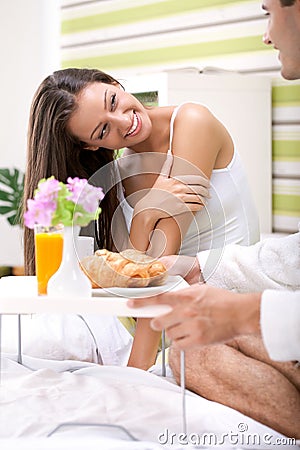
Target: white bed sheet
x: 33, y: 404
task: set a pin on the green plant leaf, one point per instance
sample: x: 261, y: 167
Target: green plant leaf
x: 11, y: 194
x: 6, y: 196
x: 13, y: 220
x: 5, y: 209
x: 4, y: 176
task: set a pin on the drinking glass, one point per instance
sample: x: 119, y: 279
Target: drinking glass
x: 48, y: 253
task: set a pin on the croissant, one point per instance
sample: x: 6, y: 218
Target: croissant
x: 130, y: 268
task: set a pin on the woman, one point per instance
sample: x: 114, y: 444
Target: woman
x: 80, y: 116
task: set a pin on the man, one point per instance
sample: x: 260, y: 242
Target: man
x: 240, y: 373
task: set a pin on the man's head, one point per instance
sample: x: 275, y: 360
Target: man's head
x: 283, y: 32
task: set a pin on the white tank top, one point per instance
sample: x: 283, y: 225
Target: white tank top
x: 230, y: 215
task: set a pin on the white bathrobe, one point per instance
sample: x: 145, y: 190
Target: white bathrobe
x: 271, y: 266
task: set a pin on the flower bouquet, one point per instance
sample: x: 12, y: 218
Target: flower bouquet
x: 56, y: 213
x: 74, y: 203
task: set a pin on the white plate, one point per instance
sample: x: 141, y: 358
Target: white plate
x: 172, y: 283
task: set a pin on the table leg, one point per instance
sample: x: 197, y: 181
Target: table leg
x: 19, y: 340
x: 182, y: 384
x: 163, y: 353
x: 0, y: 348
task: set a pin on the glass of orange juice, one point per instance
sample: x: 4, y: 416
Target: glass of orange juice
x: 48, y: 253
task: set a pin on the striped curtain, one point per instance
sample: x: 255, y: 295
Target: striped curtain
x: 142, y: 36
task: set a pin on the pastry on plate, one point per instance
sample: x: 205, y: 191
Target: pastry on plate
x: 130, y: 268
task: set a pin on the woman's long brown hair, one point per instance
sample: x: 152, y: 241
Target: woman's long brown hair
x: 53, y: 151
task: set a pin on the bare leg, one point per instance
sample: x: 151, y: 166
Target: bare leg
x: 240, y: 375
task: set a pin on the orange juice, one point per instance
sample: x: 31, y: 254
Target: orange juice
x: 48, y: 255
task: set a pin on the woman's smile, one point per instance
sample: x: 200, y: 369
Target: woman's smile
x: 136, y: 125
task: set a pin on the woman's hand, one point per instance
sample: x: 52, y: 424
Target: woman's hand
x: 172, y: 196
x: 186, y: 266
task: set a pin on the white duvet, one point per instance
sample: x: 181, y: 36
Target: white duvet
x: 133, y: 403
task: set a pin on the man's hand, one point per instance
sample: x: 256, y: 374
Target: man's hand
x: 203, y: 315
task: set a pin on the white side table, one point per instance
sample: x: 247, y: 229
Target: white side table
x: 18, y: 295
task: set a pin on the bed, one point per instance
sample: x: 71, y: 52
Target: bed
x: 65, y: 402
x: 61, y: 397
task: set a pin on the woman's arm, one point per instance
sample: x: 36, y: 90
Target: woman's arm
x: 198, y: 141
x: 168, y: 197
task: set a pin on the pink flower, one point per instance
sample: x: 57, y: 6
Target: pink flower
x: 47, y: 190
x: 75, y: 186
x: 39, y: 212
x: 84, y: 194
x: 55, y: 202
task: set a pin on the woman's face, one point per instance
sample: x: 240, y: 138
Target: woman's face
x: 109, y: 117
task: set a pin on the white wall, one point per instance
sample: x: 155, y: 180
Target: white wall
x: 29, y: 48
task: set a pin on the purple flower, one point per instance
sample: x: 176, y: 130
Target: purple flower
x: 53, y: 203
x: 84, y: 194
x: 39, y: 212
x: 47, y: 190
x: 75, y: 186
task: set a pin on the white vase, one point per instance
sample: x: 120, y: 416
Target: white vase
x: 69, y: 281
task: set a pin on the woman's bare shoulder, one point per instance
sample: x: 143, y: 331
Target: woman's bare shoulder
x: 197, y: 136
x: 194, y: 111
